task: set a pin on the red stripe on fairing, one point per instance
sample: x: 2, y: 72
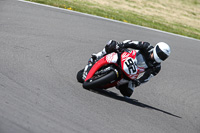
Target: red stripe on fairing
x: 96, y: 67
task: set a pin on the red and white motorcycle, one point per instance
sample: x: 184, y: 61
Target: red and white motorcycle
x: 109, y: 70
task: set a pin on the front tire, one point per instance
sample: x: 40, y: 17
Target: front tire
x: 79, y: 76
x: 95, y: 83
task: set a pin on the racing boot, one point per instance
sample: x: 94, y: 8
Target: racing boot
x: 126, y: 89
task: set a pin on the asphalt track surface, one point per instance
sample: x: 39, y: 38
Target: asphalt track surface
x: 41, y: 50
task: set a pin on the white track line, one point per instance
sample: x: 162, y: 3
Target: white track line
x: 109, y: 19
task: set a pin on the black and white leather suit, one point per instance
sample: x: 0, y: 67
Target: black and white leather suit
x: 152, y: 68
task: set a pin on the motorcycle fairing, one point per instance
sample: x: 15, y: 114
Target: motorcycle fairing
x: 108, y: 59
x: 129, y: 64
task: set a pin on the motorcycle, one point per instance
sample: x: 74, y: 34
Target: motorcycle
x: 108, y: 71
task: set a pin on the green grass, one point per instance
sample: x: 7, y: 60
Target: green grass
x: 126, y: 16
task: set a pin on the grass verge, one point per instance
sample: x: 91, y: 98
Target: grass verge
x: 125, y: 16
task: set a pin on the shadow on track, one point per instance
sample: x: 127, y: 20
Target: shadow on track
x: 131, y: 101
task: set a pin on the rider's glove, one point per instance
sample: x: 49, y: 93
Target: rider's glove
x: 94, y: 57
x: 136, y: 82
x: 119, y: 46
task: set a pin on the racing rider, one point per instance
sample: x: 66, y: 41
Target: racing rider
x: 147, y: 56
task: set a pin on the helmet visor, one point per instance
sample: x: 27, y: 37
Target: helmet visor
x: 161, y: 54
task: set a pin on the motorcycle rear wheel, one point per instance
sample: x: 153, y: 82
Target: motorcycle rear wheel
x: 99, y: 82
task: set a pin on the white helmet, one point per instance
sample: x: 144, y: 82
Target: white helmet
x: 161, y: 51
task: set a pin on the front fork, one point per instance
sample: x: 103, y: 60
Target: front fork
x: 87, y: 68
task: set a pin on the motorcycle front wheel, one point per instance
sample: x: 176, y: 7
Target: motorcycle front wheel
x: 79, y: 76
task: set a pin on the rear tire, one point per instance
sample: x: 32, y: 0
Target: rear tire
x: 100, y: 81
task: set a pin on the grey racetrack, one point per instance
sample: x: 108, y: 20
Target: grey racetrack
x: 42, y: 49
